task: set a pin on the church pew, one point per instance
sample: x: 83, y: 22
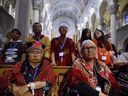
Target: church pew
x: 59, y: 70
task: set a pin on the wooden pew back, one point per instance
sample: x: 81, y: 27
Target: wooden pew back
x: 59, y: 70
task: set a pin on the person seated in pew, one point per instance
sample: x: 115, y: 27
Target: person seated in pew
x: 90, y: 77
x: 120, y: 71
x: 32, y: 77
x: 121, y: 60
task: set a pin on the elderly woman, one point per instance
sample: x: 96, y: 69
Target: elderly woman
x: 32, y: 77
x: 90, y: 77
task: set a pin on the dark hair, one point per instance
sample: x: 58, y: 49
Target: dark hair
x: 102, y: 40
x: 17, y: 30
x: 36, y: 23
x: 108, y: 36
x: 83, y: 35
x: 102, y: 34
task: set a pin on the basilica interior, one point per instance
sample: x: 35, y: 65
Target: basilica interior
x: 111, y: 16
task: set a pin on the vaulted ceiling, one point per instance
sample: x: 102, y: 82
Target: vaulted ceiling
x: 69, y: 8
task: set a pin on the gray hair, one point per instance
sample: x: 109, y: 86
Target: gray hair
x: 84, y: 44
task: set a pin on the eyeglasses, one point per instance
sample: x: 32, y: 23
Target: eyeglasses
x: 38, y: 52
x: 91, y: 48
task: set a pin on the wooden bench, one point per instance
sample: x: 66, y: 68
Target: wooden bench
x: 59, y: 70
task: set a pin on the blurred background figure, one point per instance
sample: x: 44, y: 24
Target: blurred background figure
x: 62, y: 48
x: 1, y: 43
x: 105, y: 52
x: 37, y: 29
x: 108, y: 37
x: 1, y: 40
x: 86, y: 35
x: 13, y: 50
x: 121, y: 72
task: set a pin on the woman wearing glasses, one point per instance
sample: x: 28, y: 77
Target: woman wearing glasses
x: 90, y: 77
x: 32, y: 77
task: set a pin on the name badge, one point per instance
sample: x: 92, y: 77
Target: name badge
x: 98, y: 88
x: 103, y: 58
x: 61, y: 54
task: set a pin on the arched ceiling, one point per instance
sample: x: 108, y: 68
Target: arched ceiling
x: 94, y: 22
x: 122, y: 5
x: 104, y: 12
x: 69, y: 8
x: 6, y: 3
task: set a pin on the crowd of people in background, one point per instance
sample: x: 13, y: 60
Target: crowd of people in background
x: 92, y: 61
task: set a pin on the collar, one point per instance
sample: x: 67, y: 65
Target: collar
x: 15, y: 41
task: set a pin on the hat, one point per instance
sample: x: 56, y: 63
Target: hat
x: 35, y: 45
x: 64, y: 24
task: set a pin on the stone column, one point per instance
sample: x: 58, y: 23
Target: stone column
x: 41, y: 19
x: 113, y: 10
x: 36, y: 7
x: 22, y: 20
x: 100, y: 23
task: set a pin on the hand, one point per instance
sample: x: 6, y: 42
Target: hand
x: 40, y: 84
x: 121, y: 63
x: 53, y: 64
x: 28, y: 94
x: 102, y: 94
x: 22, y: 90
x: 112, y: 53
x: 125, y: 62
x: 77, y: 62
x: 15, y: 89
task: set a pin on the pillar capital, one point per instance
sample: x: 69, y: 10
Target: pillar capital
x: 42, y: 17
x: 113, y: 8
x: 36, y: 4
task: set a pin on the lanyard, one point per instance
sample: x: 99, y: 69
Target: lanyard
x: 11, y: 48
x: 62, y: 44
x: 35, y: 73
x: 95, y: 73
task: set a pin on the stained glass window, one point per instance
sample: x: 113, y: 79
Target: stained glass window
x: 126, y: 17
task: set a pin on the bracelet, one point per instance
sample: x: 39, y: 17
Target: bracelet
x: 32, y: 86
